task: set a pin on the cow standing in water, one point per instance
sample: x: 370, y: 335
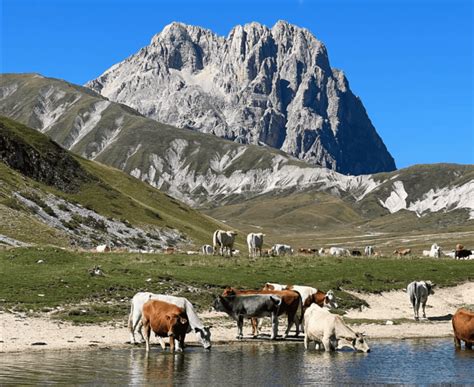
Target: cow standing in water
x: 166, y: 320
x: 323, y: 327
x: 202, y: 332
x: 463, y: 327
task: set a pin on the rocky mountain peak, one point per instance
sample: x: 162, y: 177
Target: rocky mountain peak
x: 259, y: 85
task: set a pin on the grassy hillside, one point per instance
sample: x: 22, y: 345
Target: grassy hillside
x: 34, y: 164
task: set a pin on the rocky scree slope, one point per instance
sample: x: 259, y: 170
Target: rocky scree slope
x: 205, y: 170
x: 259, y: 85
x: 75, y: 201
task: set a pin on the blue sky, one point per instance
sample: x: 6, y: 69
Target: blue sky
x: 410, y: 61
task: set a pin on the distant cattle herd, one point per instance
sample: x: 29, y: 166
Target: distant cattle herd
x: 223, y: 244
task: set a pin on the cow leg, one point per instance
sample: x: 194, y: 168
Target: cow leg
x: 297, y: 326
x: 171, y: 343
x: 181, y: 341
x: 306, y: 342
x: 147, y: 328
x: 327, y: 344
x: 457, y: 342
x: 416, y: 308
x: 291, y: 319
x: 240, y: 327
x: 254, y: 322
x: 468, y: 345
x: 274, y: 326
x: 424, y: 306
x: 162, y: 342
x: 135, y: 324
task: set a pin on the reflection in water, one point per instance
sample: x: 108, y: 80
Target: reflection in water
x: 403, y: 361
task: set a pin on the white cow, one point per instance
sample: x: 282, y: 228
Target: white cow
x: 255, y: 243
x: 102, y: 248
x: 435, y: 251
x: 207, y: 250
x: 280, y: 249
x: 134, y: 319
x: 323, y: 327
x: 369, y: 250
x: 338, y: 251
x: 418, y: 292
x: 223, y: 241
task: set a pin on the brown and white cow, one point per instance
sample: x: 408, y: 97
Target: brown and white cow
x: 166, y: 320
x: 309, y: 296
x: 463, y: 327
x: 401, y: 252
x: 290, y: 305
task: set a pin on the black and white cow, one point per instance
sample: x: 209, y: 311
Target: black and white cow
x: 418, y: 292
x: 247, y: 306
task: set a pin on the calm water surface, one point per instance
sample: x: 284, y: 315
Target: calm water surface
x: 252, y: 364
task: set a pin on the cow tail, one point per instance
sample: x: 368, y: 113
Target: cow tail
x: 413, y: 294
x: 299, y: 311
x: 214, y: 242
x: 130, y: 317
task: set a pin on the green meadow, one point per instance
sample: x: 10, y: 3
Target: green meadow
x: 62, y: 284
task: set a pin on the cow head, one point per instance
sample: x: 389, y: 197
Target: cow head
x: 204, y: 336
x: 430, y: 285
x: 228, y: 291
x: 219, y: 304
x: 232, y: 232
x: 175, y: 321
x: 330, y: 300
x: 360, y: 344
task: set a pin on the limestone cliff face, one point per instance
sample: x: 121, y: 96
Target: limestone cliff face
x: 260, y: 85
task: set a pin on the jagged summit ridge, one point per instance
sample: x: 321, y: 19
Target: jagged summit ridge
x: 259, y: 85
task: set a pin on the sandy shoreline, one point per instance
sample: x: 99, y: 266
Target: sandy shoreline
x: 20, y: 333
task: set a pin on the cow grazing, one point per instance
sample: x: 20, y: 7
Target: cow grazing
x: 323, y: 327
x: 310, y: 295
x: 166, y: 320
x: 463, y: 327
x: 102, y: 249
x: 369, y: 250
x: 280, y: 250
x: 244, y: 306
x: 255, y: 243
x: 418, y: 292
x: 461, y: 254
x: 290, y: 305
x: 401, y: 252
x: 338, y: 251
x: 307, y: 251
x: 434, y: 252
x: 356, y: 253
x: 202, y: 333
x: 207, y: 250
x: 223, y: 241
